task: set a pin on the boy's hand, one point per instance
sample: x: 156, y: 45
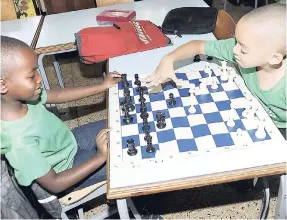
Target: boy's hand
x: 102, y: 140
x: 111, y: 79
x: 163, y: 72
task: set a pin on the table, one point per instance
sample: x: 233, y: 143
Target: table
x: 26, y: 29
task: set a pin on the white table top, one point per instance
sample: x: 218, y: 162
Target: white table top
x: 60, y: 28
x: 22, y: 29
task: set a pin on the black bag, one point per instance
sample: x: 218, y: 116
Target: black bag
x: 190, y: 20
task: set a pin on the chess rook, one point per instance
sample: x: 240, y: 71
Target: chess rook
x: 132, y: 151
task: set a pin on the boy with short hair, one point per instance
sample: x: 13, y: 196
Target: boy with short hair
x: 37, y: 144
x: 260, y: 51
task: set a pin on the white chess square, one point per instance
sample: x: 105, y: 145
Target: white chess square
x: 167, y: 127
x: 201, y: 91
x: 169, y: 148
x: 229, y: 86
x: 144, y: 143
x: 177, y: 112
x: 121, y: 92
x: 205, y: 143
x: 193, y: 75
x: 174, y: 91
x: 219, y: 96
x: 158, y: 105
x: 218, y: 128
x: 245, y: 139
x: 131, y: 129
x: 149, y: 119
x: 250, y: 124
x: 137, y: 97
x: 227, y: 114
x: 187, y: 101
x: 217, y: 71
x: 208, y: 107
x: 183, y: 133
x: 197, y: 119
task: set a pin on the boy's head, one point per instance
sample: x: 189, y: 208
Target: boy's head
x: 261, y: 37
x: 20, y: 80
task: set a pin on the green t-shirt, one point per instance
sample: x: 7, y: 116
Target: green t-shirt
x: 273, y: 100
x: 37, y: 142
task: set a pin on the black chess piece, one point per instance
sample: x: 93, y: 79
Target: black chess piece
x: 161, y: 122
x: 171, y: 99
x: 143, y: 109
x: 150, y: 148
x: 209, y: 58
x: 127, y: 92
x: 146, y: 126
x: 128, y: 104
x: 127, y: 117
x: 125, y: 81
x: 196, y: 58
x: 137, y: 81
x: 131, y: 147
x: 144, y: 115
x: 142, y: 99
x: 159, y: 115
x: 147, y: 137
x: 139, y: 86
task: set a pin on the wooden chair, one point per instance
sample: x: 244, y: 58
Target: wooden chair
x: 225, y: 26
x: 238, y: 2
x: 101, y: 3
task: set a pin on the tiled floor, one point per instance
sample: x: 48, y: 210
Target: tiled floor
x: 210, y: 202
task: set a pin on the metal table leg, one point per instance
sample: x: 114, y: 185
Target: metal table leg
x: 281, y: 210
x: 123, y: 208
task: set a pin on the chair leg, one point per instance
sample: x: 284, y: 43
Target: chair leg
x: 132, y: 207
x: 256, y: 3
x: 224, y: 7
x: 266, y: 2
x: 265, y: 200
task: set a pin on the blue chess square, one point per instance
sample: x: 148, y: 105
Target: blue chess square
x: 164, y: 111
x: 213, y: 117
x: 156, y: 97
x: 195, y: 82
x: 203, y: 74
x: 165, y: 136
x: 177, y: 104
x: 146, y: 155
x: 121, y: 86
x: 223, y: 105
x: 239, y: 112
x: 125, y: 139
x: 151, y: 124
x: 182, y: 76
x: 133, y: 122
x: 222, y: 140
x: 147, y: 104
x: 234, y: 94
x: 135, y: 90
x: 183, y: 92
x: 122, y: 99
x: 238, y: 124
x: 200, y: 130
x: 186, y: 145
x: 180, y: 122
x: 205, y: 98
x: 256, y: 139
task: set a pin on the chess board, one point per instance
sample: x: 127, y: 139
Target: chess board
x: 190, y: 139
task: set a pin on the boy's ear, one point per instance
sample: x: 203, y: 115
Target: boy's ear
x: 276, y: 59
x: 4, y: 88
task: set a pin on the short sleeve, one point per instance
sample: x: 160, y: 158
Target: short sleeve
x: 27, y: 160
x: 5, y: 143
x: 221, y: 49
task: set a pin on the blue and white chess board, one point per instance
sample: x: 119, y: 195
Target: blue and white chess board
x: 225, y: 120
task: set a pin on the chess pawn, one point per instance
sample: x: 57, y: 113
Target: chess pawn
x: 202, y: 85
x: 150, y: 148
x: 131, y: 147
x: 192, y: 109
x: 224, y: 75
x: 214, y: 84
x: 230, y: 122
x: 260, y: 133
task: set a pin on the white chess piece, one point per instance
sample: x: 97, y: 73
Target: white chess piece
x: 230, y: 122
x: 239, y: 132
x: 192, y: 109
x: 223, y: 64
x: 224, y: 75
x: 260, y: 133
x: 191, y: 88
x: 230, y: 78
x: 214, y: 84
x: 207, y: 69
x: 202, y: 85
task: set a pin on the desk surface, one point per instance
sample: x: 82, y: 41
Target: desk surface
x: 60, y: 28
x: 22, y: 29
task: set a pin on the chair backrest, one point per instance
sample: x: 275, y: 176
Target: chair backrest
x: 225, y: 26
x: 101, y: 3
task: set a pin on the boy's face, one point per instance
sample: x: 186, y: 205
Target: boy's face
x: 251, y: 49
x: 23, y: 81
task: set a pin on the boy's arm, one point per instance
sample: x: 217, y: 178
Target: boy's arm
x: 57, y: 182
x: 61, y: 95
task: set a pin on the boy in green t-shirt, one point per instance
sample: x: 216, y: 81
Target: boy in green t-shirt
x: 260, y: 51
x: 37, y: 144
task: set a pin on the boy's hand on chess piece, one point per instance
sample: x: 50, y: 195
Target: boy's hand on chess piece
x: 111, y: 79
x: 163, y: 72
x: 102, y: 140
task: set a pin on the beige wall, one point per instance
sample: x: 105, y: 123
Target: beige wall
x: 7, y: 10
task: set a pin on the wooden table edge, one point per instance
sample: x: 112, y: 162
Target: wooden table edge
x: 192, y: 182
x: 37, y: 33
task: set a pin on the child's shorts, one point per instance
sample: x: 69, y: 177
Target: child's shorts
x: 86, y: 140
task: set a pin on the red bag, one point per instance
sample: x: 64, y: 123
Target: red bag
x: 97, y: 44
